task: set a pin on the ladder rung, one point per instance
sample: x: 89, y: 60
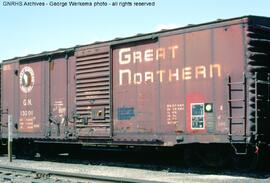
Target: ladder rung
x: 237, y: 117
x: 236, y: 100
x: 263, y: 82
x: 236, y: 83
x: 239, y: 136
x: 236, y: 89
x: 262, y: 117
x: 237, y: 141
x: 237, y: 107
x: 241, y: 153
x: 263, y: 100
x: 239, y: 123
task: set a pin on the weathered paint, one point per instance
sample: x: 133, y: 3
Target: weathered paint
x: 7, y: 103
x: 40, y: 89
x: 139, y: 90
x: 58, y: 95
x: 93, y: 92
x: 160, y: 80
x: 30, y: 96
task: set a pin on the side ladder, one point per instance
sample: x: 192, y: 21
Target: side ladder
x: 262, y: 114
x: 237, y: 105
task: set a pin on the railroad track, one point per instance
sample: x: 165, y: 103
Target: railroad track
x: 14, y: 174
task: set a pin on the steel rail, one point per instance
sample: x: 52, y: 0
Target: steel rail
x: 49, y: 173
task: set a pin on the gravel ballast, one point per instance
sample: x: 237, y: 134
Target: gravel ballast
x: 134, y: 173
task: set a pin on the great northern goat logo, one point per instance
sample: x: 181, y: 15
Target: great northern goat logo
x: 27, y: 79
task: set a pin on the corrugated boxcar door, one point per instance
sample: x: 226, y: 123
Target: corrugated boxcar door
x: 93, y: 92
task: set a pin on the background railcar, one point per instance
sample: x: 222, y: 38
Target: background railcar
x: 203, y: 84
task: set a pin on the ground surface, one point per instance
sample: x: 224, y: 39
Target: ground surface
x: 166, y: 175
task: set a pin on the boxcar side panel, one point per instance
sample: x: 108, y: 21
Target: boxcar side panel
x: 161, y: 89
x: 8, y: 94
x: 58, y: 96
x: 228, y: 49
x: 71, y: 92
x: 71, y: 87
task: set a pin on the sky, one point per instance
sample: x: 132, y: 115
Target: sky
x: 28, y: 30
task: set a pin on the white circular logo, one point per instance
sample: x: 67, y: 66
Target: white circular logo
x: 27, y: 79
x: 208, y: 107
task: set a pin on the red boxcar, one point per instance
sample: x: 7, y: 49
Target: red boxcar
x: 39, y: 94
x: 206, y: 83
